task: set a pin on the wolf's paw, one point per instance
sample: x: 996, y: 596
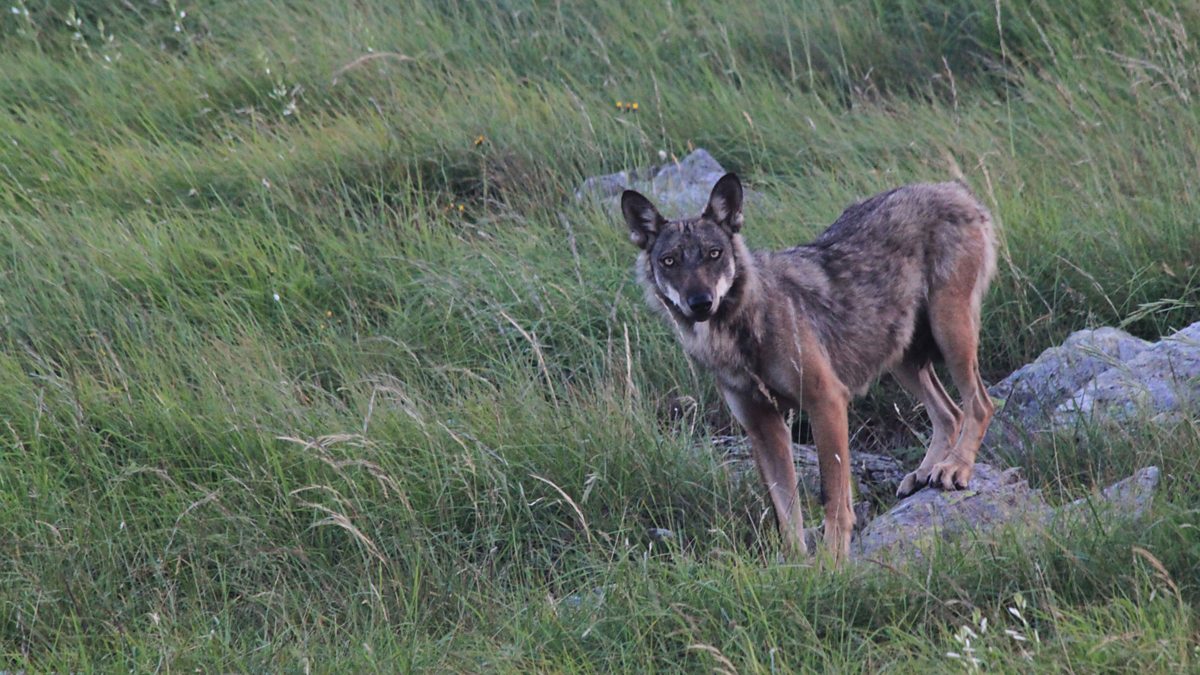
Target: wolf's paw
x: 837, y: 542
x: 912, y: 482
x: 951, y: 474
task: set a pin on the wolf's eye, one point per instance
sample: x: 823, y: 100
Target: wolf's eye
x: 714, y: 253
x: 667, y: 260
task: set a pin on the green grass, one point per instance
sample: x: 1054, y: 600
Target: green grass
x: 441, y: 446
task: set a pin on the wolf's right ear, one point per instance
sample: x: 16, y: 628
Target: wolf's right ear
x: 643, y: 219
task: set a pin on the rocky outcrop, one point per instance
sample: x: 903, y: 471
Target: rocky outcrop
x: 1101, y: 375
x: 1158, y: 383
x: 1031, y: 394
x: 994, y: 498
x: 678, y: 189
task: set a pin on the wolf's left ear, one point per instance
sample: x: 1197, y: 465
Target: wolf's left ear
x: 643, y: 219
x: 725, y: 203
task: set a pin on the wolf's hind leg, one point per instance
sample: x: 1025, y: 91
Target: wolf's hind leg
x: 923, y: 384
x: 954, y: 318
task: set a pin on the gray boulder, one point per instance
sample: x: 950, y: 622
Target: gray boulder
x: 1032, y: 393
x: 678, y: 189
x: 1161, y: 380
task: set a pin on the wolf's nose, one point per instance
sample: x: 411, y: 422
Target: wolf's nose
x: 700, y: 303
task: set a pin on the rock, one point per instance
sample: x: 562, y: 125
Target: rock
x: 660, y: 534
x: 993, y: 499
x: 1037, y: 388
x: 1033, y: 392
x: 1130, y: 497
x: 1158, y: 381
x: 592, y: 600
x: 1097, y: 376
x: 876, y: 477
x: 677, y: 188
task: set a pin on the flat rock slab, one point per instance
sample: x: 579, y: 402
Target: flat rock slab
x: 994, y: 499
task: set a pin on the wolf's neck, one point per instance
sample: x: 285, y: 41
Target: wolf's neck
x: 743, y: 311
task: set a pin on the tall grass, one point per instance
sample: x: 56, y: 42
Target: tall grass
x: 309, y: 358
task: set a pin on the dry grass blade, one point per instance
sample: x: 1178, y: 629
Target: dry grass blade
x: 726, y: 665
x: 537, y: 352
x: 340, y: 520
x: 367, y: 58
x: 1160, y: 571
x: 578, y: 513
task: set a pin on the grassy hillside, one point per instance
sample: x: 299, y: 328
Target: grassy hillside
x: 309, y: 359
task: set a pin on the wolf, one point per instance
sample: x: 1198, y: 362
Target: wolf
x: 895, y: 284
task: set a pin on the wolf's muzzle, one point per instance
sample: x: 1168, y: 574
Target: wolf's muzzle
x: 701, y: 305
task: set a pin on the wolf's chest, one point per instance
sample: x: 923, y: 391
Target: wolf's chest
x: 719, y: 351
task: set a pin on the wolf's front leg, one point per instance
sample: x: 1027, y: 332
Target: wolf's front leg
x: 827, y: 405
x: 771, y: 443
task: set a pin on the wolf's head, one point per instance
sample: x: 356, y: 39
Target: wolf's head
x: 692, y: 262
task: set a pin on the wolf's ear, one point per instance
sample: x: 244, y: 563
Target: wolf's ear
x: 725, y: 203
x: 642, y: 218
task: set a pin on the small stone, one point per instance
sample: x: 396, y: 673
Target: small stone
x: 1130, y: 497
x: 660, y: 533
